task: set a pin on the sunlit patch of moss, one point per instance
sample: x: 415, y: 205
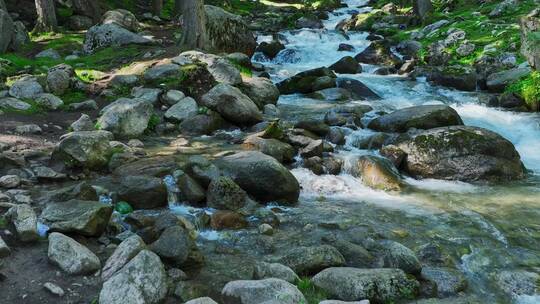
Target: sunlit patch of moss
x: 89, y: 75
x: 528, y: 88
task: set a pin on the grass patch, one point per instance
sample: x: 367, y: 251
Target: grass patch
x: 312, y: 293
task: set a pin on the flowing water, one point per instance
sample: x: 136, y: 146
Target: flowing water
x: 487, y: 228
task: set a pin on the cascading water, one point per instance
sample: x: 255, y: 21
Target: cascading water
x: 488, y: 222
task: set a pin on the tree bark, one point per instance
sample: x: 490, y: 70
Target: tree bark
x: 88, y: 8
x: 177, y: 8
x: 46, y: 20
x: 157, y: 7
x: 3, y: 6
x: 194, y: 24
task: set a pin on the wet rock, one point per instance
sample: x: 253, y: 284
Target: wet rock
x: 282, y: 152
x: 461, y: 153
x: 332, y: 165
x: 261, y: 176
x: 224, y: 193
x: 183, y: 109
x: 190, y: 190
x: 142, y: 280
x: 309, y: 260
x: 126, y: 117
x: 203, y: 124
x: 309, y: 22
x: 261, y: 91
x: 77, y: 216
x: 122, y: 18
x: 143, y: 192
x: 517, y: 282
x: 395, y: 255
x: 378, y: 52
x: 377, y: 285
x: 265, y: 270
x: 173, y: 245
x: 378, y: 173
x: 343, y: 47
x: 304, y: 82
x: 84, y: 123
x: 232, y: 104
x: 126, y: 251
x: 270, y: 49
x: 25, y: 88
x: 49, y: 101
x: 88, y: 149
x: 24, y: 219
x: 71, y: 256
x: 261, y: 291
x: 316, y: 126
x: 336, y: 136
x: 357, y: 88
x: 418, y: 117
x: 449, y: 281
x: 228, y: 32
x: 497, y: 82
x: 10, y: 181
x: 14, y: 104
x: 313, y: 148
x: 332, y: 94
x: 227, y: 220
x: 346, y: 65
x: 101, y: 36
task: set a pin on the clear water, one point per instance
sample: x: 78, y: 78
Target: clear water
x: 488, y: 227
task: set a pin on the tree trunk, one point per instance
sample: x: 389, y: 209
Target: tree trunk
x: 3, y: 6
x: 157, y: 7
x: 46, y: 20
x: 194, y: 24
x: 177, y: 8
x: 88, y: 8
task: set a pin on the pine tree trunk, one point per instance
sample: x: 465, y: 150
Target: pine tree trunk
x: 194, y: 24
x: 157, y: 7
x: 46, y: 20
x: 177, y: 8
x: 3, y: 6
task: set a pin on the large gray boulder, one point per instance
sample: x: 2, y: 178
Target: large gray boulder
x: 232, y: 104
x: 227, y: 32
x: 142, y: 280
x: 497, y: 82
x: 261, y: 90
x: 308, y: 81
x: 71, y: 256
x: 185, y: 108
x: 24, y: 219
x: 265, y: 270
x: 379, y: 285
x: 101, y: 36
x: 461, y: 153
x: 126, y: 251
x: 418, y: 117
x: 49, y: 101
x: 25, y: 88
x: 396, y: 255
x: 126, y: 117
x: 6, y: 30
x: 261, y: 176
x: 449, y: 281
x: 58, y: 82
x: 122, y: 18
x: 224, y: 193
x: 88, y: 149
x: 174, y: 245
x: 11, y: 103
x: 76, y: 216
x: 220, y: 68
x: 310, y: 260
x: 261, y: 291
x: 530, y: 48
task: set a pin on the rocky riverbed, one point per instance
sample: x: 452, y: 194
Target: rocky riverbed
x: 321, y: 175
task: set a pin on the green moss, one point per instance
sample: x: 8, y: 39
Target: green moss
x: 154, y: 121
x: 528, y: 88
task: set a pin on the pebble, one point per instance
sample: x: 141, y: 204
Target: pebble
x: 266, y: 229
x: 54, y: 289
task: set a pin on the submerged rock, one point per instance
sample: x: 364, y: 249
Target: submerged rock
x: 461, y: 153
x: 378, y: 173
x: 378, y: 285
